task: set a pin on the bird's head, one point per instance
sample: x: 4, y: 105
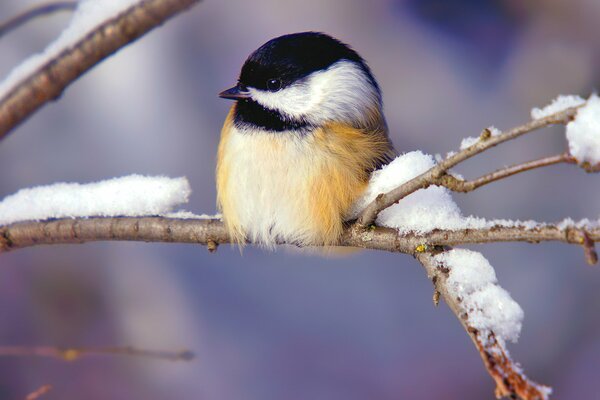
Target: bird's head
x: 301, y: 79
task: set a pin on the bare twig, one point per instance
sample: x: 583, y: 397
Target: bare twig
x: 74, y: 353
x: 430, y: 176
x: 39, y: 10
x: 39, y: 392
x: 205, y: 231
x: 510, y: 379
x: 49, y: 81
x: 459, y: 185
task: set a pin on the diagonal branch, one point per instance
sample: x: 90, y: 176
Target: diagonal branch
x: 429, y: 177
x: 48, y: 82
x: 36, y: 11
x: 42, y: 390
x: 509, y: 377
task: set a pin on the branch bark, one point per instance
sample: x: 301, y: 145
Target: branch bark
x: 212, y: 232
x: 50, y: 80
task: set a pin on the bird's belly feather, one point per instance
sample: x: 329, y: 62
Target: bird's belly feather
x: 269, y: 180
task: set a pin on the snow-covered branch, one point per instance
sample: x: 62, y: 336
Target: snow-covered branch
x: 43, y: 77
x: 467, y: 284
x: 435, y: 175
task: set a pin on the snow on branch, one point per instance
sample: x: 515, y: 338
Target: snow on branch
x: 132, y: 195
x: 466, y: 282
x: 97, y: 30
x: 435, y: 175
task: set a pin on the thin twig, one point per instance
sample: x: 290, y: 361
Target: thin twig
x: 74, y: 353
x: 39, y: 392
x: 50, y: 80
x: 509, y: 377
x: 430, y: 176
x: 459, y: 185
x: 38, y: 10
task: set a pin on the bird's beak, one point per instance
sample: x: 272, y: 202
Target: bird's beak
x: 235, y: 93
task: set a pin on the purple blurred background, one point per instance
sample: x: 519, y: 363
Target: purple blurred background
x: 285, y: 325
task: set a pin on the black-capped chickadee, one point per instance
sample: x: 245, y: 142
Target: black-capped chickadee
x: 299, y: 144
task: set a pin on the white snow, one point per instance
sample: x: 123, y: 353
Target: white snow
x: 559, y: 104
x: 133, y: 195
x: 422, y: 211
x: 426, y: 209
x: 583, y: 133
x: 488, y: 306
x: 468, y: 142
x: 182, y: 214
x: 88, y: 15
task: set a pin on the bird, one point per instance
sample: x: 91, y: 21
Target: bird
x: 300, y: 142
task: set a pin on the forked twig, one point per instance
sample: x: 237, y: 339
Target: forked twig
x: 431, y: 176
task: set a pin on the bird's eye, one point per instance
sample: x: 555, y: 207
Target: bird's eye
x: 273, y: 85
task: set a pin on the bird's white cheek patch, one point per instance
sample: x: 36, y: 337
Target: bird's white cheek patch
x: 294, y: 101
x: 342, y: 92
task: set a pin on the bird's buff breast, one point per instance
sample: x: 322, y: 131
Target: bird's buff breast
x: 281, y: 187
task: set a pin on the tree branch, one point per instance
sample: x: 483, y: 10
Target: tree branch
x: 431, y: 176
x: 510, y: 379
x: 212, y: 232
x: 49, y: 81
x: 36, y: 11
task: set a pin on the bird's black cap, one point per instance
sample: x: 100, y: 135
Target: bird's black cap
x: 286, y: 59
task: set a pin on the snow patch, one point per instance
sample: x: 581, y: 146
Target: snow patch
x: 559, y: 104
x: 133, y: 196
x: 583, y: 133
x: 489, y: 307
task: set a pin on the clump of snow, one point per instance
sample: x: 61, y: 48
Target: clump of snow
x: 422, y: 211
x: 470, y: 140
x: 132, y: 195
x: 489, y: 307
x: 583, y: 133
x: 494, y: 131
x: 182, y: 214
x: 559, y: 104
x: 426, y: 209
x: 88, y: 15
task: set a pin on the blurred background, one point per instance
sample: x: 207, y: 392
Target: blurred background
x: 283, y: 325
